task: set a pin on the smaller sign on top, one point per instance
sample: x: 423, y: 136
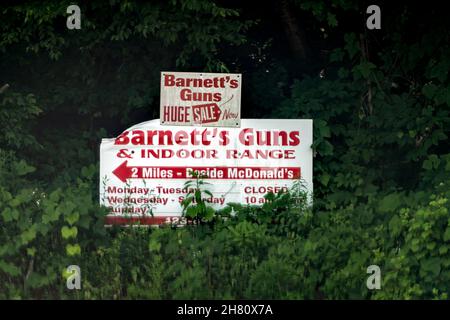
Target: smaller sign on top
x: 201, y: 99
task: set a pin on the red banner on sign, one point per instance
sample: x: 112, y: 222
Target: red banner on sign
x: 124, y: 172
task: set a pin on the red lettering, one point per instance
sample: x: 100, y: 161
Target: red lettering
x: 176, y: 113
x: 122, y: 139
x: 295, y: 139
x: 224, y: 140
x: 138, y: 137
x: 169, y: 80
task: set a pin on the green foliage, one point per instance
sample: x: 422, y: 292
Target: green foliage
x: 41, y: 233
x: 15, y: 114
x: 194, y: 204
x: 280, y: 250
x: 376, y: 124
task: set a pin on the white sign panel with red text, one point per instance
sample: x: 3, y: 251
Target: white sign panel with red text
x: 200, y: 99
x: 143, y: 170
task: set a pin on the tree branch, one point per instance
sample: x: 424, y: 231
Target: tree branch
x: 4, y: 88
x: 294, y: 34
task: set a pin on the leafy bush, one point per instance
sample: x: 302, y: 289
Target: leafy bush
x: 41, y: 233
x: 277, y: 251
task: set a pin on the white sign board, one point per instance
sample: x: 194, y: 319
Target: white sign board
x: 143, y: 170
x: 200, y: 99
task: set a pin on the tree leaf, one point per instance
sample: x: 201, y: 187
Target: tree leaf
x: 68, y: 233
